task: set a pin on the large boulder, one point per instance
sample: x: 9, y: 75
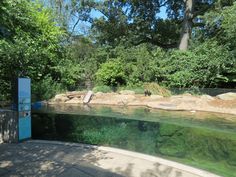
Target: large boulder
x: 75, y: 94
x: 75, y: 101
x: 61, y: 98
x: 227, y: 96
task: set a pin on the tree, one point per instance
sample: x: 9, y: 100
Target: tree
x: 187, y: 24
x: 30, y: 42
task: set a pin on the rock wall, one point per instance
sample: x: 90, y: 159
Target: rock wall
x: 8, y: 126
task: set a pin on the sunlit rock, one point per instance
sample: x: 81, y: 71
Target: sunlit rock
x: 61, y: 98
x: 227, y: 96
x: 127, y: 92
x: 75, y: 101
x: 207, y: 97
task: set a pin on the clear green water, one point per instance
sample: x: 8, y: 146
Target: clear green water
x: 203, y: 140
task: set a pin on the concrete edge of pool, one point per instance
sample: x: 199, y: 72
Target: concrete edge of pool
x: 112, y: 159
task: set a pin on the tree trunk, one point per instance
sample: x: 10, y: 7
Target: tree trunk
x: 187, y: 25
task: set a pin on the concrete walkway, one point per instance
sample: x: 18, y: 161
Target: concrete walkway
x: 48, y: 158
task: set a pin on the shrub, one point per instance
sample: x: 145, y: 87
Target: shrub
x: 111, y: 73
x: 140, y: 63
x: 45, y: 89
x: 138, y: 89
x: 102, y: 88
x: 157, y: 89
x: 206, y: 65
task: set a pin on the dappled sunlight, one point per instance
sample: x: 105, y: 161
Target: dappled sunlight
x: 48, y: 158
x: 149, y: 87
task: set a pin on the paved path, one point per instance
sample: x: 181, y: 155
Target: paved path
x: 46, y: 158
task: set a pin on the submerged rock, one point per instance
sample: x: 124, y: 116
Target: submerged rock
x: 227, y: 96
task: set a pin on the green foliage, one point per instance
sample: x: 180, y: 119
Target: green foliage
x: 156, y: 89
x: 70, y: 74
x: 102, y: 88
x: 229, y: 23
x: 29, y: 42
x: 140, y: 64
x: 121, y: 47
x: 205, y: 65
x: 45, y: 89
x: 106, y: 135
x: 138, y: 88
x: 111, y: 73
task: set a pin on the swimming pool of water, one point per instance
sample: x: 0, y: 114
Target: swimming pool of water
x: 203, y: 140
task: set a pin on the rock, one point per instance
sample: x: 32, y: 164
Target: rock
x: 73, y: 94
x: 207, y: 97
x: 75, y: 101
x: 227, y: 96
x: 60, y: 95
x: 112, y: 99
x: 177, y: 96
x: 99, y: 94
x: 163, y: 105
x: 88, y: 97
x: 127, y: 92
x: 155, y: 97
x: 187, y: 94
x: 124, y: 99
x: 61, y: 98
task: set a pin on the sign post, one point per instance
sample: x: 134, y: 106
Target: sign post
x: 24, y: 108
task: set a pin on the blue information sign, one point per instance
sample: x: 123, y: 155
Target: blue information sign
x: 24, y: 108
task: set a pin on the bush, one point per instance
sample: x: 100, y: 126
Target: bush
x: 70, y: 74
x: 102, y: 88
x: 111, y: 73
x: 157, y: 89
x: 138, y: 89
x: 45, y: 89
x: 141, y: 64
x: 206, y: 65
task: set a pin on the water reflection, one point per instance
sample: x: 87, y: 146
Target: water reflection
x: 208, y: 142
